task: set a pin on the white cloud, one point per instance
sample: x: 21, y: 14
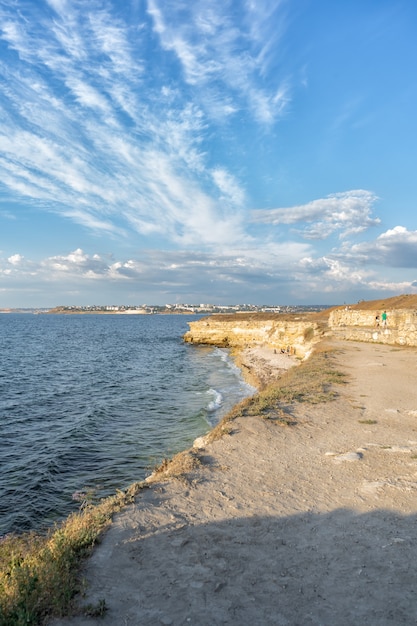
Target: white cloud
x: 87, y: 96
x: 358, y: 267
x: 15, y: 259
x: 60, y: 6
x: 76, y: 264
x: 264, y: 273
x: 76, y: 154
x: 157, y: 267
x: 224, y: 62
x: 228, y: 186
x: 348, y: 212
x: 396, y: 247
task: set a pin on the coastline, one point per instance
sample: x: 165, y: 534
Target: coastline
x: 261, y: 365
x: 311, y: 524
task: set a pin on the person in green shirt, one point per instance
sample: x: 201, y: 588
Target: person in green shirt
x: 384, y: 318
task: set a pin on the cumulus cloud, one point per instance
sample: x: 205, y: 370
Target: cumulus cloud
x: 396, y: 247
x: 263, y: 272
x: 347, y: 213
x: 15, y: 259
x: 358, y: 267
x: 257, y: 268
x: 343, y: 277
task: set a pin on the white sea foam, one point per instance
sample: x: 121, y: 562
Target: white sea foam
x: 224, y: 355
x: 217, y: 401
x: 229, y: 376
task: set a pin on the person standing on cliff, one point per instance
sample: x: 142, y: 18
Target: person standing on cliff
x: 384, y: 318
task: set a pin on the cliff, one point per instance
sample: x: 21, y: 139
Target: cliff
x: 363, y: 325
x: 299, y: 333
x: 293, y: 333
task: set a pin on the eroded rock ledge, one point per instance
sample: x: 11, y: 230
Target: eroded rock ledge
x: 297, y: 334
x: 363, y: 321
x: 294, y: 334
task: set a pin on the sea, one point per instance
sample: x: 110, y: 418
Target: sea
x: 92, y: 403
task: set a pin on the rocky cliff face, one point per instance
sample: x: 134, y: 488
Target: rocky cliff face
x: 361, y: 325
x: 295, y: 335
x: 300, y: 333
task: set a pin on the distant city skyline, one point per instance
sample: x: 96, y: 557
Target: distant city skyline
x: 148, y: 308
x: 211, y: 151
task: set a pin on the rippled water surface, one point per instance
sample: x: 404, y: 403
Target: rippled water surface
x: 93, y: 402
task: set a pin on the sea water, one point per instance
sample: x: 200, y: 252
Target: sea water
x: 91, y: 403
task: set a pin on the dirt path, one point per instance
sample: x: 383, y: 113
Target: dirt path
x: 310, y: 524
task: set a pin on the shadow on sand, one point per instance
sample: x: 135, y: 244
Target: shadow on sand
x: 338, y: 568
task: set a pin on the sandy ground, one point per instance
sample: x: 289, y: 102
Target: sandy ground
x: 261, y: 364
x: 282, y: 525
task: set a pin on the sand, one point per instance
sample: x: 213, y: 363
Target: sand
x: 282, y: 525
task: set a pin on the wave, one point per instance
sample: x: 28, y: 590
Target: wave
x: 217, y: 401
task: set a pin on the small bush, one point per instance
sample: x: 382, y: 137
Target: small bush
x: 179, y: 466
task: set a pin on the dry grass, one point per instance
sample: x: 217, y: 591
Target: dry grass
x: 312, y: 382
x: 181, y: 465
x: 39, y: 574
x: 403, y: 301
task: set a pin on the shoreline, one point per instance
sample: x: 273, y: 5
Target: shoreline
x: 280, y: 525
x: 261, y: 365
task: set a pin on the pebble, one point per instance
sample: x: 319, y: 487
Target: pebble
x: 349, y: 456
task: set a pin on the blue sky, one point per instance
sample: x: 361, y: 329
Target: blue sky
x: 213, y: 151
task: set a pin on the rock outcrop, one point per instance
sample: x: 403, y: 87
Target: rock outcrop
x: 299, y: 333
x: 288, y: 333
x: 363, y: 325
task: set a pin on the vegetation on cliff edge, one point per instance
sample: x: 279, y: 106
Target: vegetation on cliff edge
x: 39, y: 574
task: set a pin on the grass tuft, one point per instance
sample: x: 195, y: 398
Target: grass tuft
x: 179, y: 466
x: 39, y: 574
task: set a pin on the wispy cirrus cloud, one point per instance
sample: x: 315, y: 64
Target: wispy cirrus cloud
x: 89, y: 135
x: 226, y: 62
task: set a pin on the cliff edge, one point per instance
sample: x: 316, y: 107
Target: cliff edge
x: 292, y: 334
x: 298, y: 333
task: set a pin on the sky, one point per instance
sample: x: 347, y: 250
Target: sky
x: 213, y: 151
